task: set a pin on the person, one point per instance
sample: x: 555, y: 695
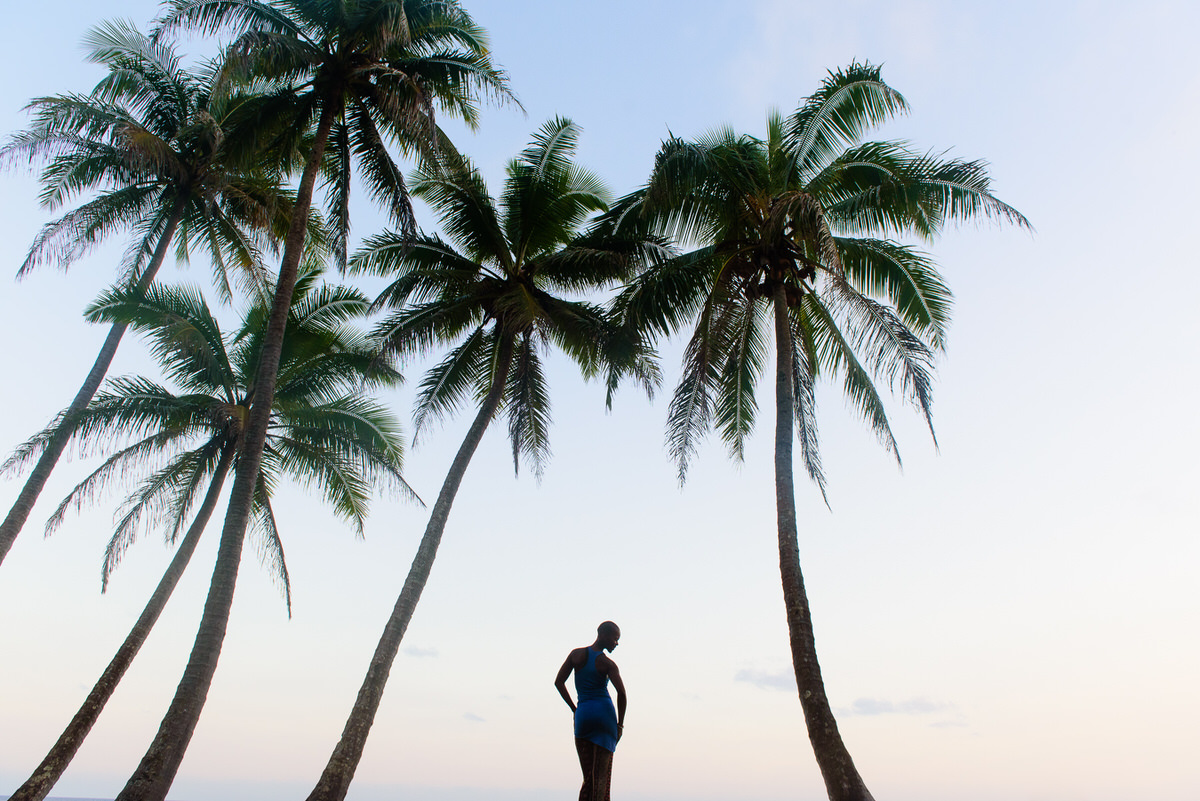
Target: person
x: 598, y: 726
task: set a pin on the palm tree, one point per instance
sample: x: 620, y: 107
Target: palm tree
x: 156, y: 142
x: 487, y: 293
x: 323, y: 433
x: 357, y: 71
x: 796, y: 235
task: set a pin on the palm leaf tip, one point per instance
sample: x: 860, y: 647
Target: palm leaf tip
x: 961, y: 190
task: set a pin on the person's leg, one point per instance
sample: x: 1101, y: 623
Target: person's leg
x: 603, y: 776
x: 596, y: 763
x: 584, y: 749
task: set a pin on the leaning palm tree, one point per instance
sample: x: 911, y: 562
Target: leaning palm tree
x: 356, y: 73
x: 157, y: 145
x: 323, y: 433
x: 488, y: 295
x: 796, y: 236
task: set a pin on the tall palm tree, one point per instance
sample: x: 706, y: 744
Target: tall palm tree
x: 323, y: 433
x: 155, y: 143
x: 797, y: 246
x: 357, y: 71
x: 488, y: 294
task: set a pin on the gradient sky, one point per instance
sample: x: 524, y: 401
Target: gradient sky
x: 1011, y: 617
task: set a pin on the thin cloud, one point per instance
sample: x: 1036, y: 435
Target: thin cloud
x: 880, y: 706
x: 959, y: 723
x: 421, y: 653
x: 763, y: 680
x: 471, y: 716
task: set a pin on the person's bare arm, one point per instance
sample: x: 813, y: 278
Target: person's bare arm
x: 614, y: 675
x: 560, y: 681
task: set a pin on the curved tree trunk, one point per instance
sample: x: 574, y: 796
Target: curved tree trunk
x: 156, y: 772
x: 38, y: 786
x: 28, y: 496
x: 339, y: 771
x: 842, y: 781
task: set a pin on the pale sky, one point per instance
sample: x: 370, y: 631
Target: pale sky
x: 1011, y: 617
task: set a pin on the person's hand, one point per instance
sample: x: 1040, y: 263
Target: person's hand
x: 620, y: 731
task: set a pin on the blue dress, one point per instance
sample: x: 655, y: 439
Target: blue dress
x: 595, y: 715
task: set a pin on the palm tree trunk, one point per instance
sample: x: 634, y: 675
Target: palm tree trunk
x: 339, y: 771
x: 38, y: 786
x: 19, y: 513
x: 156, y: 772
x: 842, y: 782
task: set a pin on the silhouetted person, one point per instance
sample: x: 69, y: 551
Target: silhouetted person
x: 598, y: 725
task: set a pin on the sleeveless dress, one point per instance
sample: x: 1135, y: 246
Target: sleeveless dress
x: 595, y: 715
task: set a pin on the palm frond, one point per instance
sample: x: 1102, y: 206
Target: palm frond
x: 546, y: 197
x: 208, y: 17
x: 423, y: 269
x: 120, y: 465
x: 628, y: 353
x: 445, y: 385
x: 166, y: 493
x: 467, y: 214
x: 384, y: 181
x: 580, y: 330
x: 849, y: 102
x: 692, y: 408
x: 31, y: 449
x: 359, y: 431
x: 417, y: 328
x: 204, y: 473
x: 805, y: 361
x: 456, y: 77
x: 668, y: 294
x: 957, y: 190
x: 343, y: 487
x: 73, y: 235
x: 528, y: 401
x: 867, y: 190
x: 735, y: 407
x: 183, y: 333
x: 336, y: 170
x: 695, y: 185
x: 131, y: 407
x: 892, y: 350
x: 232, y: 245
x: 906, y: 277
x: 268, y: 543
x: 837, y: 355
x: 588, y: 264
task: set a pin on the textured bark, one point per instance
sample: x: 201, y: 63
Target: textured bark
x: 842, y: 782
x: 339, y: 771
x: 156, y: 772
x: 27, y: 497
x: 38, y: 786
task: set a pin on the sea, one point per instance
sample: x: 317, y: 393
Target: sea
x: 285, y: 791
